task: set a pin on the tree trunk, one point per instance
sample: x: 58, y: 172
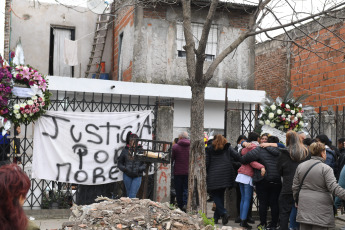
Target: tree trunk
x: 197, y: 160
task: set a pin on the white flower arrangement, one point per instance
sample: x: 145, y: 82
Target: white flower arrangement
x: 283, y: 115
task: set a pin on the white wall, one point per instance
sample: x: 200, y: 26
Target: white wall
x: 35, y: 32
x: 213, y: 114
x: 2, y: 23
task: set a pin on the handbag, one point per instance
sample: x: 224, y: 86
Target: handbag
x: 300, y: 185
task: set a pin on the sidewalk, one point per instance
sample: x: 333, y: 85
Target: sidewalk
x: 340, y: 222
x: 57, y: 223
x: 50, y: 223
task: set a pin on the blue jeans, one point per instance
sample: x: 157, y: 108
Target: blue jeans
x: 218, y: 198
x: 293, y: 214
x: 132, y: 185
x: 246, y: 195
x: 181, y: 188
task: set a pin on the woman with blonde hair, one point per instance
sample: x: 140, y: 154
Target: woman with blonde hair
x: 290, y: 157
x: 313, y: 186
x: 220, y: 174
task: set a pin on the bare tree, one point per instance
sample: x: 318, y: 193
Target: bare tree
x: 198, y: 79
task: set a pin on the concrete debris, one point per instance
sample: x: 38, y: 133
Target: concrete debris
x: 126, y: 213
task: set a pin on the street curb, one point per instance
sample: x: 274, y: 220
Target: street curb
x: 49, y: 213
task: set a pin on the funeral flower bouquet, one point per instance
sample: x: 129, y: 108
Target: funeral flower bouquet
x: 5, y: 89
x: 23, y: 94
x: 284, y: 114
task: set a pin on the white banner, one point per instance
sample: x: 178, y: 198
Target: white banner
x: 83, y: 147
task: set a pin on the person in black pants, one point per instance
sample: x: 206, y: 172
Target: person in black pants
x: 267, y: 187
x: 220, y: 174
x: 5, y: 146
x: 288, y: 160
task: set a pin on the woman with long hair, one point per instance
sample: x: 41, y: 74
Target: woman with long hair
x: 220, y: 174
x: 245, y: 180
x: 131, y: 167
x: 14, y: 185
x: 313, y: 186
x: 290, y: 157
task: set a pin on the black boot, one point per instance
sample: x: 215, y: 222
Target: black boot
x: 250, y: 220
x: 225, y: 218
x: 245, y: 224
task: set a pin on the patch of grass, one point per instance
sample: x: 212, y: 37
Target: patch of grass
x: 172, y: 206
x: 206, y: 220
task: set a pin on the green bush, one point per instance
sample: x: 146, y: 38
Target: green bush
x: 206, y: 220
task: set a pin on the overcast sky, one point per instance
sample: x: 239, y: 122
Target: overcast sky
x: 281, y: 7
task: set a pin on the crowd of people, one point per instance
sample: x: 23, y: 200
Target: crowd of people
x: 297, y: 182
x: 300, y: 193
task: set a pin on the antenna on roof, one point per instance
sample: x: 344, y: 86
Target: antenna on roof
x: 98, y: 6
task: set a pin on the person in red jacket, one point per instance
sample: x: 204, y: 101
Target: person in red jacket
x: 180, y: 159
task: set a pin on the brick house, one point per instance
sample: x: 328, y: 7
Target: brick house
x: 148, y: 44
x: 319, y: 73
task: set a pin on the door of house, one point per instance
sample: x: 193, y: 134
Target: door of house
x: 57, y: 65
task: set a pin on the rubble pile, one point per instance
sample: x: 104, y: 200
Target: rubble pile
x: 126, y: 213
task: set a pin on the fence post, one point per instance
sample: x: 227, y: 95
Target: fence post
x: 233, y: 131
x: 164, y: 132
x: 328, y: 125
x: 233, y: 126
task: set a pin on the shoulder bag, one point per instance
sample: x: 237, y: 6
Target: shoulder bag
x: 300, y: 185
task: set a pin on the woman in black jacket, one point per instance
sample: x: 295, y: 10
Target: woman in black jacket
x: 267, y: 187
x: 289, y: 159
x: 132, y: 168
x: 220, y: 174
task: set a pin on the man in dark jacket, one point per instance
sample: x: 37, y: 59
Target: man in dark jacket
x: 267, y: 187
x: 180, y: 158
x: 341, y: 160
x: 330, y: 152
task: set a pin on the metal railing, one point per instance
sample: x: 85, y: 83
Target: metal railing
x: 52, y: 194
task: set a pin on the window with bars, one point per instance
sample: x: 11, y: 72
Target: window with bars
x: 211, y: 46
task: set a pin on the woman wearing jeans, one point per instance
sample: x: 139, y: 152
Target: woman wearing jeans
x: 132, y: 168
x: 244, y: 178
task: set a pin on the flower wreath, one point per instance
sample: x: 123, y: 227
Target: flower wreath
x: 284, y: 114
x: 35, y: 102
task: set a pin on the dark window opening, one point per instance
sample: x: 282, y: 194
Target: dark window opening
x: 51, y: 48
x: 119, y: 59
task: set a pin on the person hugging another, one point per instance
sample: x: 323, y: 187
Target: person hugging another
x: 14, y: 185
x: 244, y: 178
x: 131, y: 167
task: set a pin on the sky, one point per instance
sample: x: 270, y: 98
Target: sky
x: 281, y: 7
